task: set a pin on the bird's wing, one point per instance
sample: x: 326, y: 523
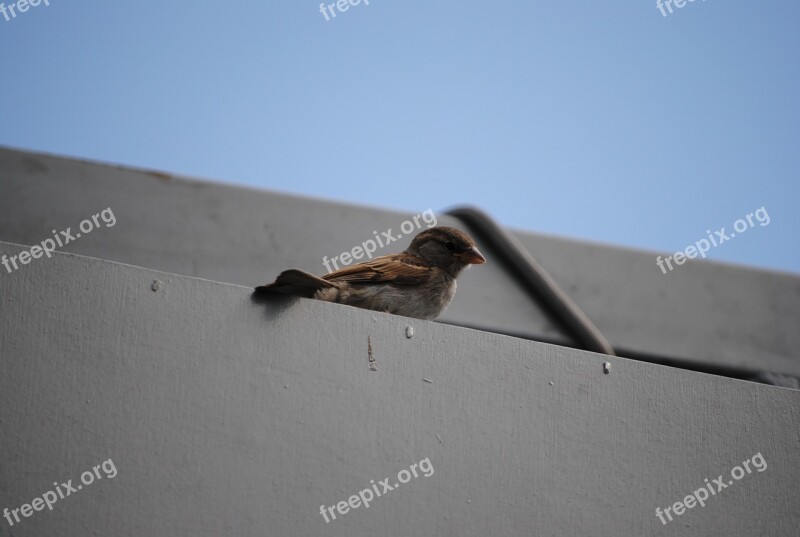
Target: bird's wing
x: 394, y: 269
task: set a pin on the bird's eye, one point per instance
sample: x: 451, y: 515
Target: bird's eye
x: 450, y: 246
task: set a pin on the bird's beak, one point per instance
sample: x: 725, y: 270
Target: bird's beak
x: 473, y: 256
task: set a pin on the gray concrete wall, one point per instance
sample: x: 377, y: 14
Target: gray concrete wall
x: 226, y: 417
x: 707, y: 314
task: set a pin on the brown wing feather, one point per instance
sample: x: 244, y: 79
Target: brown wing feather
x: 387, y: 269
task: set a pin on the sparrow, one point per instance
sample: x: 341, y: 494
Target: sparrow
x: 419, y: 282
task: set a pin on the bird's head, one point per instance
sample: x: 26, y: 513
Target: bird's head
x: 447, y: 248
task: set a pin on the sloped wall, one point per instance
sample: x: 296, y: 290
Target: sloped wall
x: 227, y: 417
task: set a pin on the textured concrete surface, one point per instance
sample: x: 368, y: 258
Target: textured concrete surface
x: 706, y: 314
x: 226, y: 417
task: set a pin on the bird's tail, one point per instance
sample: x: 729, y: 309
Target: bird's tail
x: 293, y: 282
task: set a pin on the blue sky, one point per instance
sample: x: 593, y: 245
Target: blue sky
x: 603, y: 121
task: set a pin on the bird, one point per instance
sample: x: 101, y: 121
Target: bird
x: 419, y: 282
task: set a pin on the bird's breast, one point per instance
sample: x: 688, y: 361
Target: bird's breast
x: 422, y: 301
